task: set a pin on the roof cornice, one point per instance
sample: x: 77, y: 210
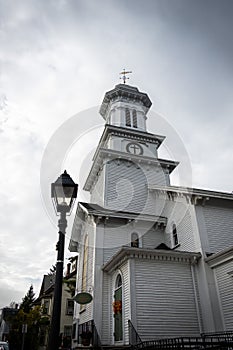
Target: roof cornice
x: 197, y: 195
x: 126, y: 253
x: 97, y: 211
x: 220, y: 257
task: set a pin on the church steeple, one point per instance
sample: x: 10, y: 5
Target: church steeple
x: 126, y: 106
x: 126, y: 164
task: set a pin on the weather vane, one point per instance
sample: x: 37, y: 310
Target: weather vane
x: 124, y: 77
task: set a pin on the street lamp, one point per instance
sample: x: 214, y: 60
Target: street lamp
x: 63, y: 193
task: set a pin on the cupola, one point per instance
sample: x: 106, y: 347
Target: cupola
x: 126, y: 106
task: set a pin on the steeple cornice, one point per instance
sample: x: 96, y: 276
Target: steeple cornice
x: 131, y: 134
x: 124, y: 92
x: 103, y: 154
x: 134, y: 133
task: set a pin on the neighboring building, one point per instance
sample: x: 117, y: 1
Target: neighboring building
x: 45, y: 299
x: 7, y: 315
x: 157, y: 255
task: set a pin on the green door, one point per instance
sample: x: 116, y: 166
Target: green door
x: 118, y: 329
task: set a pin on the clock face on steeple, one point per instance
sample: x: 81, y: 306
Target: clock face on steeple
x: 134, y: 148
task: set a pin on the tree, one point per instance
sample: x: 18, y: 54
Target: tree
x: 33, y: 321
x: 28, y: 300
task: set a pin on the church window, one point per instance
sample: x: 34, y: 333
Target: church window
x: 131, y: 118
x: 174, y: 235
x: 118, y: 281
x: 127, y: 117
x: 134, y: 240
x: 117, y: 309
x: 85, y: 259
x: 84, y: 274
x: 135, y: 124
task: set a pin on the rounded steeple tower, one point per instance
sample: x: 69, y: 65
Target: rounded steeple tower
x: 126, y: 106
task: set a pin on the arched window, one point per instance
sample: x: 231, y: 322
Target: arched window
x: 118, y: 281
x: 84, y: 272
x: 117, y: 309
x: 85, y: 259
x: 127, y: 117
x: 134, y: 240
x: 174, y: 235
x: 135, y: 122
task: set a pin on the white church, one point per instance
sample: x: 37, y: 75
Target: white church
x: 154, y: 258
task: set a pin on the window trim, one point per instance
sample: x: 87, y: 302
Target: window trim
x: 66, y: 326
x: 127, y: 117
x: 135, y: 119
x: 67, y: 307
x: 134, y: 241
x: 175, y: 240
x: 131, y: 118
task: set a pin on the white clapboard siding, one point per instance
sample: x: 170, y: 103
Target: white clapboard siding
x: 219, y: 227
x: 119, y: 235
x: 106, y: 337
x: 108, y: 253
x: 127, y: 185
x: 115, y: 236
x: 165, y: 301
x: 126, y: 299
x: 185, y: 233
x: 225, y: 288
x: 87, y: 315
x: 97, y: 195
x: 152, y: 239
x: 179, y: 212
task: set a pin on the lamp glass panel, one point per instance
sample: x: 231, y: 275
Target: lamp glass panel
x: 64, y: 194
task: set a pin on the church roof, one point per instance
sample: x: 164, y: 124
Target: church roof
x: 85, y: 209
x: 197, y: 195
x: 95, y: 209
x: 221, y: 257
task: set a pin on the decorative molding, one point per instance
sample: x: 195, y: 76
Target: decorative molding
x: 100, y: 214
x: 220, y: 258
x: 126, y: 253
x: 116, y: 155
x: 192, y: 195
x: 138, y: 136
x: 124, y: 92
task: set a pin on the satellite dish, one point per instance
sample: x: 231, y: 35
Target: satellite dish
x: 83, y: 298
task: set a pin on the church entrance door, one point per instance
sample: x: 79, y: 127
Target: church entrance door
x: 117, y: 309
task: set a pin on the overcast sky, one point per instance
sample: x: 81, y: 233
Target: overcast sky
x: 57, y: 60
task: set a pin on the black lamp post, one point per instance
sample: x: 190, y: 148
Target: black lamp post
x: 63, y: 193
